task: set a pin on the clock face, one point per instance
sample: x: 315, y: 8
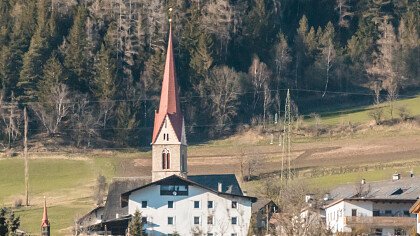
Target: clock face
x: 174, y: 193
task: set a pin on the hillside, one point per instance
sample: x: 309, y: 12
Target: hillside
x: 67, y: 178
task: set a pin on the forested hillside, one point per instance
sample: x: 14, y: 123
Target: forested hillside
x: 91, y: 69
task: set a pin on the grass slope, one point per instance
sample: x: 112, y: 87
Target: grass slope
x: 361, y: 115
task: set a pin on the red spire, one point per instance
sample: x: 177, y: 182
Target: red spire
x: 45, y: 222
x: 169, y: 100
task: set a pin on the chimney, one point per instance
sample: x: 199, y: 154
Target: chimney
x: 308, y: 197
x: 219, y: 187
x: 411, y: 174
x: 327, y: 197
x: 363, y: 181
x: 396, y: 176
x: 117, y: 216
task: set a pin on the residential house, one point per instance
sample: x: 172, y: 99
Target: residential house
x: 381, y: 208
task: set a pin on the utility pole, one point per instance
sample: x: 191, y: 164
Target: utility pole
x: 25, y: 154
x: 286, y: 138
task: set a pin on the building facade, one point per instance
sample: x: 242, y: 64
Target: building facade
x: 377, y: 208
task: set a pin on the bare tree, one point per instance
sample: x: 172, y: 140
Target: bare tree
x: 343, y: 8
x: 11, y: 117
x: 260, y: 78
x: 282, y: 61
x: 222, y: 89
x: 52, y: 114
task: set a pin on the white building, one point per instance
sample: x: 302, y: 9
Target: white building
x: 175, y: 202
x: 378, y: 208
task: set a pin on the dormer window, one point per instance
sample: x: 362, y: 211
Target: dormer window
x: 166, y: 159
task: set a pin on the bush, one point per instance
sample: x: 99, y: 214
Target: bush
x: 18, y: 202
x: 377, y: 114
x: 403, y: 113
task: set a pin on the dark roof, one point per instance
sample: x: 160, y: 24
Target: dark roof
x: 404, y: 189
x: 81, y: 219
x: 176, y: 179
x: 261, y: 203
x: 116, y: 188
x: 229, y: 182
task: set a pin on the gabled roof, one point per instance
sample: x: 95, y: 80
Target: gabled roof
x: 169, y: 100
x: 416, y: 207
x: 402, y: 190
x: 116, y: 188
x: 261, y: 203
x: 175, y: 179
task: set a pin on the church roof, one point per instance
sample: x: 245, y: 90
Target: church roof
x: 208, y: 185
x: 45, y: 222
x: 229, y: 182
x: 169, y: 100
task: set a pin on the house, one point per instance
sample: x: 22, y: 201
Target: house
x: 110, y: 218
x: 175, y: 201
x: 415, y: 209
x: 262, y: 211
x: 379, y: 208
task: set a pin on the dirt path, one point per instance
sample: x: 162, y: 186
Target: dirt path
x: 343, y: 152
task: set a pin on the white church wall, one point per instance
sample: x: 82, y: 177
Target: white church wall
x: 183, y: 212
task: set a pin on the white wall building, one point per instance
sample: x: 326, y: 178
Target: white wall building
x: 382, y: 208
x: 175, y: 204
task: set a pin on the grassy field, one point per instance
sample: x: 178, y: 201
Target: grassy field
x: 66, y: 181
x: 361, y: 114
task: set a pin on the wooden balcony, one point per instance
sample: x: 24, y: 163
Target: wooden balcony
x: 380, y: 221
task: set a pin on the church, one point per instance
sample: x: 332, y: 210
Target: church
x: 175, y: 202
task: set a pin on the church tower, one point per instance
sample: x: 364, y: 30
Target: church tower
x: 45, y: 224
x: 169, y: 144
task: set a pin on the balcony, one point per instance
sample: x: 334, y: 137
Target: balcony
x: 380, y: 221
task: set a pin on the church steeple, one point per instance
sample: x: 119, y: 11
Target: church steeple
x: 45, y: 223
x: 169, y: 145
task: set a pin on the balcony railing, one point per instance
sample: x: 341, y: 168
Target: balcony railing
x: 379, y: 221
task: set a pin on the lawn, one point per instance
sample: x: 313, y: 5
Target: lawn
x: 67, y: 184
x: 361, y: 114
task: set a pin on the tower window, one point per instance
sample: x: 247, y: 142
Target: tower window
x: 166, y: 159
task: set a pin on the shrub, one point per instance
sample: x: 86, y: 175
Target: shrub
x: 18, y: 202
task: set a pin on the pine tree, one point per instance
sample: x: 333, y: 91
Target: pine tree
x: 8, y: 222
x: 53, y: 75
x: 201, y: 57
x: 76, y: 58
x: 135, y: 226
x: 33, y: 60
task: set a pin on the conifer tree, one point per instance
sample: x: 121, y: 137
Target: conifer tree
x: 53, y: 75
x: 135, y: 227
x: 35, y: 57
x: 8, y: 222
x: 76, y: 54
x: 201, y: 57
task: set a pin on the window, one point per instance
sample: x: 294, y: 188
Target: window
x: 166, y: 159
x: 196, y: 204
x: 167, y: 137
x: 170, y: 220
x: 196, y: 220
x: 209, y: 220
x: 143, y: 204
x: 170, y: 204
x: 400, y: 232
x: 377, y: 232
x: 388, y: 212
x: 144, y: 220
x: 234, y: 204
x: 178, y: 190
x: 353, y: 212
x: 210, y: 204
x: 234, y: 220
x: 406, y: 213
x: 376, y: 213
x: 209, y: 234
x: 234, y: 234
